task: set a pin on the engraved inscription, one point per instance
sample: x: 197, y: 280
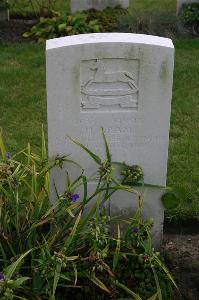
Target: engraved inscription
x: 124, y: 134
x: 108, y: 84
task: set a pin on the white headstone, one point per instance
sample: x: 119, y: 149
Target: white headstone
x: 180, y: 4
x: 123, y: 83
x: 81, y: 5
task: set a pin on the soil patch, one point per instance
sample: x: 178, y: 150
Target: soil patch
x: 181, y: 226
x: 182, y: 256
x: 13, y: 30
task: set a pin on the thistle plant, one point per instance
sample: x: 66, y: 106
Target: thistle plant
x: 132, y: 175
x: 106, y: 172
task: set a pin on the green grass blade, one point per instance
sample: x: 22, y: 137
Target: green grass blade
x: 43, y: 144
x: 99, y: 283
x: 56, y: 279
x: 9, y: 271
x: 157, y: 284
x: 18, y: 282
x: 68, y: 178
x: 2, y: 145
x: 117, y: 250
x: 164, y: 268
x: 72, y: 258
x: 90, y: 214
x: 73, y: 232
x: 154, y: 297
x: 21, y: 298
x: 96, y: 158
x: 77, y: 182
x: 3, y: 255
x: 108, y: 155
x: 85, y: 185
x: 75, y: 272
x: 128, y: 291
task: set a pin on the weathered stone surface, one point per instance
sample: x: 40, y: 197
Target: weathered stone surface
x: 181, y: 2
x: 123, y: 83
x: 81, y: 5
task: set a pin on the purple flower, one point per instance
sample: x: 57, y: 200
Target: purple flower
x: 135, y: 229
x: 74, y: 197
x: 101, y: 206
x: 8, y: 155
x: 2, y: 277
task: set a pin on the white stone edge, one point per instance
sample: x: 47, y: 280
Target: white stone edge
x: 92, y: 38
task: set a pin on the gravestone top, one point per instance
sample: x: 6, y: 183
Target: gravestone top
x: 94, y: 38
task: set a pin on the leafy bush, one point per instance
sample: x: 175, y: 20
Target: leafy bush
x: 88, y: 22
x: 190, y: 16
x: 108, y: 18
x: 71, y: 248
x: 3, y: 5
x: 190, y: 13
x: 159, y: 23
x: 34, y: 8
x: 49, y: 28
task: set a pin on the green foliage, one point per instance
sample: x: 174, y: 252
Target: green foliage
x: 49, y: 28
x: 155, y: 22
x: 88, y: 22
x: 32, y: 7
x: 68, y: 248
x: 190, y: 13
x: 11, y: 281
x: 132, y: 175
x: 3, y: 5
x: 108, y: 18
x: 178, y: 200
x: 190, y: 17
x: 170, y: 200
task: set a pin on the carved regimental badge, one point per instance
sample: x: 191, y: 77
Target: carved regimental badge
x: 109, y: 84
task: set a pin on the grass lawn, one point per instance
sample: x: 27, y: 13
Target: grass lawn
x: 22, y: 93
x: 183, y: 166
x: 150, y: 5
x: 23, y: 109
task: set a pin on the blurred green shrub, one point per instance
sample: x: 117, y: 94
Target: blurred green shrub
x: 34, y: 8
x: 190, y: 13
x: 159, y: 23
x: 190, y: 16
x: 48, y: 28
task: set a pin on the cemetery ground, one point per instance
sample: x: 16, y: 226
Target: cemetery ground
x: 23, y: 110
